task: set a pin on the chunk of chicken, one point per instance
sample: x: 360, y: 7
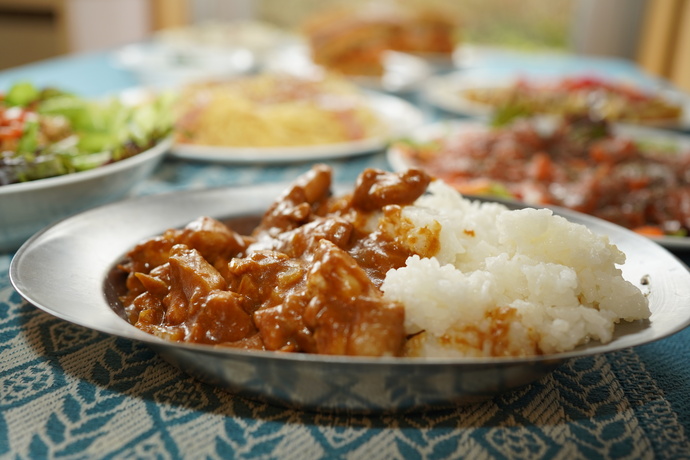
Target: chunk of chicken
x: 305, y: 280
x: 295, y: 206
x: 375, y: 188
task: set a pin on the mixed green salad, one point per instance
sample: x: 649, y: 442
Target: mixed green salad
x: 47, y: 132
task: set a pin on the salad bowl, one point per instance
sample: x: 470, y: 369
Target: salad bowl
x: 107, y: 147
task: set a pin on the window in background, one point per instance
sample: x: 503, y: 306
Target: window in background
x: 527, y: 24
x: 607, y: 28
x: 665, y: 44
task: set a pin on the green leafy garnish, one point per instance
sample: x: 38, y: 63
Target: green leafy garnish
x: 91, y: 133
x: 22, y: 94
x: 506, y: 114
x: 499, y: 190
x: 28, y: 143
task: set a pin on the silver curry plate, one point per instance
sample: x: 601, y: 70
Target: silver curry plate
x: 64, y: 270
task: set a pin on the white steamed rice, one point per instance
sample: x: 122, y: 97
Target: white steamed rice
x: 508, y: 282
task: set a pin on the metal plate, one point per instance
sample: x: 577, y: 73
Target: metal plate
x: 64, y: 269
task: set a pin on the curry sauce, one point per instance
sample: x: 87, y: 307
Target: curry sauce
x: 306, y: 279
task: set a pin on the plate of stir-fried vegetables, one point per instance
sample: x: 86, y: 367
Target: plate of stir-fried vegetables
x: 493, y: 96
x: 633, y: 176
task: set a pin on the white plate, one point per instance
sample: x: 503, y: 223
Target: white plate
x: 445, y: 92
x: 64, y: 270
x: 403, y: 73
x: 165, y: 65
x: 256, y: 36
x: 398, y: 161
x: 398, y: 115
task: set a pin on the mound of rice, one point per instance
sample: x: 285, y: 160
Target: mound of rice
x: 507, y: 282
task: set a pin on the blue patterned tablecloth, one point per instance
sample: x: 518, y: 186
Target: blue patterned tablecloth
x: 70, y: 392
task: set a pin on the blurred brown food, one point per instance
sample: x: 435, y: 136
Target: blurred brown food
x: 352, y: 40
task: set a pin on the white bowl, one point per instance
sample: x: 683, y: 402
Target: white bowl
x: 160, y: 65
x: 27, y: 207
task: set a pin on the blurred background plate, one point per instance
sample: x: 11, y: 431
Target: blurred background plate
x: 446, y: 92
x: 398, y: 115
x: 403, y: 73
x: 259, y: 37
x: 670, y: 141
x: 159, y: 64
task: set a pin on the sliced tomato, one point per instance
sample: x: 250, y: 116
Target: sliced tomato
x: 649, y: 230
x: 11, y: 131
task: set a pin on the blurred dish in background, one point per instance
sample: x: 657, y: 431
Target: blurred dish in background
x: 384, y: 46
x: 403, y: 73
x: 46, y: 132
x: 502, y: 97
x: 61, y: 154
x: 632, y: 176
x: 199, y: 52
x: 208, y: 50
x: 354, y: 40
x: 274, y: 110
x: 276, y: 117
x: 258, y: 37
x: 162, y: 65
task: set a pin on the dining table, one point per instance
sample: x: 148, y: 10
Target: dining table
x: 67, y: 391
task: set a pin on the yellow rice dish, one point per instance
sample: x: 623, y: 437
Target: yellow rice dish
x: 275, y: 111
